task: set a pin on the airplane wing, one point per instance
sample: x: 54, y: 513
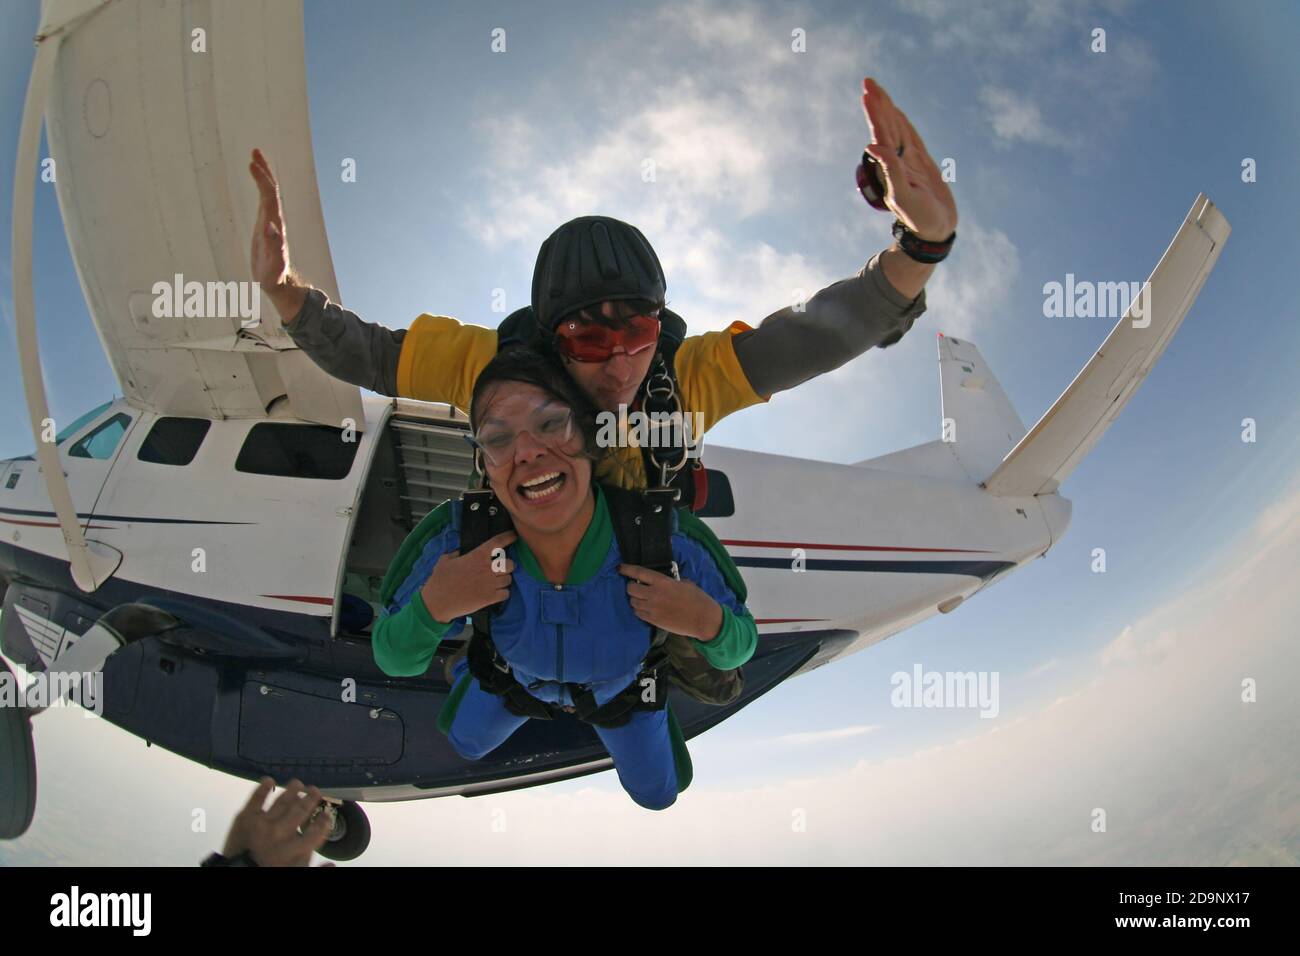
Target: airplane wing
x: 152, y: 112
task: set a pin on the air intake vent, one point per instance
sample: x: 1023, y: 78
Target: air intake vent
x: 435, y: 460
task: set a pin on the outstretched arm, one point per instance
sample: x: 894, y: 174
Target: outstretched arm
x: 876, y: 307
x: 361, y: 353
x: 836, y: 325
x: 336, y: 339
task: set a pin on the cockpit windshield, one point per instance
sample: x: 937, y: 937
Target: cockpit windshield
x: 68, y: 431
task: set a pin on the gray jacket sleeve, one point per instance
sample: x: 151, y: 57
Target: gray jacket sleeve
x: 336, y: 339
x: 839, y: 323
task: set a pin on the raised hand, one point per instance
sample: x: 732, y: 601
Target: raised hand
x: 464, y: 583
x: 915, y: 189
x: 283, y: 834
x: 271, y: 267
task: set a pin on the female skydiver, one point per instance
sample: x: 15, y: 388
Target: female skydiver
x: 571, y: 633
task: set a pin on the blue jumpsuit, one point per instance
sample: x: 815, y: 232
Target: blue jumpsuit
x: 582, y: 632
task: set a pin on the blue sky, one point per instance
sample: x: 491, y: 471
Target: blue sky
x: 1067, y: 161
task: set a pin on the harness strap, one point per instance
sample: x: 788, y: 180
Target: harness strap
x: 643, y: 529
x: 482, y: 517
x: 648, y: 691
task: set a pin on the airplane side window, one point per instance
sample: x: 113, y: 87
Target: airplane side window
x: 296, y: 451
x: 100, y: 443
x: 720, y: 503
x: 174, y: 441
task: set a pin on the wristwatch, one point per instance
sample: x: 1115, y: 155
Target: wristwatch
x: 922, y: 250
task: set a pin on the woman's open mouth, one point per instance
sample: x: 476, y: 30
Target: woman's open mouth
x: 542, y: 487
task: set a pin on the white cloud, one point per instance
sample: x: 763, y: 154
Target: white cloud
x: 822, y: 736
x: 1014, y: 118
x: 997, y: 28
x: 973, y: 288
x: 1040, y: 82
x: 1133, y: 644
x: 736, y: 126
x: 1043, y: 668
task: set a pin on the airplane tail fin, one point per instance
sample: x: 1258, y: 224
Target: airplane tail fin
x: 979, y: 422
x: 1043, y: 458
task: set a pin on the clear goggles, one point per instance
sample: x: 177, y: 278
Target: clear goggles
x: 550, y: 423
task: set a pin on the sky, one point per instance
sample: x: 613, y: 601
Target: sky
x: 1120, y: 691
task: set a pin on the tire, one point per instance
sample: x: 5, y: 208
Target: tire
x: 17, y: 767
x: 350, y: 836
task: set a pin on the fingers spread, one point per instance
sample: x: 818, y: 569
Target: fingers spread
x: 301, y: 809
x: 284, y: 803
x: 258, y: 798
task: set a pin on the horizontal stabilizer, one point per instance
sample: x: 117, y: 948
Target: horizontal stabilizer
x: 1077, y: 420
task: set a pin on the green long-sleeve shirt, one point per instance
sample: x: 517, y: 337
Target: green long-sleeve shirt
x: 404, y: 641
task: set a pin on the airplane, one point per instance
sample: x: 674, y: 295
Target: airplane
x: 211, y: 542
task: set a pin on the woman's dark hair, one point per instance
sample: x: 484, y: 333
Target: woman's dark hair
x: 531, y: 367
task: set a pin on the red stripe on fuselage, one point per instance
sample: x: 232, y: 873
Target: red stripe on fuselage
x: 55, y: 524
x: 299, y: 597
x: 736, y: 542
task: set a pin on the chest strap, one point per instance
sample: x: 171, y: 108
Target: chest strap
x: 643, y: 528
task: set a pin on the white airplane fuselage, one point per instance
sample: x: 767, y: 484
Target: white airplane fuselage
x: 822, y: 546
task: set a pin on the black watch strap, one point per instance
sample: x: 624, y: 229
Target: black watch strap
x: 922, y: 250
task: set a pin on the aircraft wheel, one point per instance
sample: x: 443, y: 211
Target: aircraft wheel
x: 17, y: 766
x: 350, y: 834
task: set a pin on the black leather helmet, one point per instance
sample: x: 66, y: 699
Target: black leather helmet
x: 589, y: 260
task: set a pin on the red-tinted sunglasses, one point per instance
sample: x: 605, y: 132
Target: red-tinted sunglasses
x: 586, y: 341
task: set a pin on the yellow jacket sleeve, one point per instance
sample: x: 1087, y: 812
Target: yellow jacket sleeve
x: 441, y: 359
x: 711, y: 379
